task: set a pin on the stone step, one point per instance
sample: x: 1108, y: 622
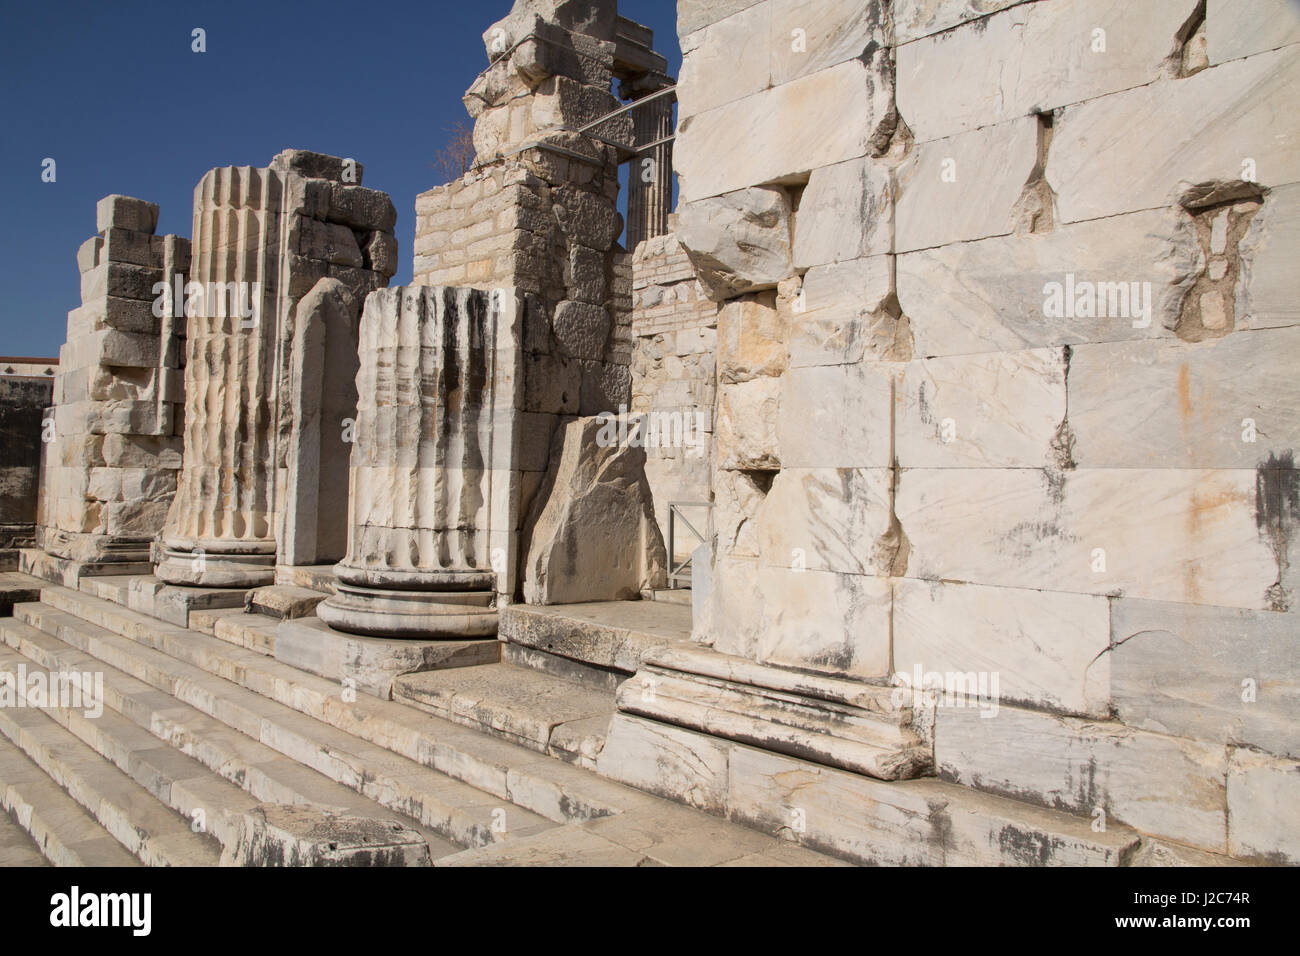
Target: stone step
x: 128, y: 812
x: 16, y: 587
x: 17, y: 848
x: 551, y: 788
x: 637, y: 829
x: 148, y: 594
x: 284, y: 601
x: 668, y: 595
x: 314, y: 577
x: 237, y: 626
x: 234, y: 684
x: 63, y: 832
x: 842, y: 723
x: 69, y: 573
x: 279, y: 754
x: 527, y: 707
x: 848, y: 815
x: 187, y: 760
x: 110, y: 587
x: 613, y: 635
x: 663, y: 835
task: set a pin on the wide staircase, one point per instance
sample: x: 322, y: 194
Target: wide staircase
x: 200, y: 725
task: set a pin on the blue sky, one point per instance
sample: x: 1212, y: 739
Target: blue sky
x: 114, y: 94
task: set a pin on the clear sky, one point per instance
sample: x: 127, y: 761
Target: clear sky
x: 114, y: 94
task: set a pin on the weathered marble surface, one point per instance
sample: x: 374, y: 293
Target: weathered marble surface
x: 432, y: 498
x: 594, y: 491
x: 227, y: 522
x: 119, y: 386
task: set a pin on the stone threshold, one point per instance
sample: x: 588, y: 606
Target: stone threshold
x: 608, y: 635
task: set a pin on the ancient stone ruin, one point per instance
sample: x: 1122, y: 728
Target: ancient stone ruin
x: 917, y: 488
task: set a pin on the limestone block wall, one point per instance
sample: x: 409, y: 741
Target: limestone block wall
x: 674, y: 382
x: 538, y: 214
x: 504, y: 227
x: 110, y: 468
x: 1006, y: 382
x: 23, y: 402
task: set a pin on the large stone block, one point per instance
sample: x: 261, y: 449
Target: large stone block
x: 966, y: 186
x: 827, y: 519
x: 747, y: 426
x: 587, y: 218
x: 140, y: 451
x: 319, y: 165
x: 789, y: 129
x: 110, y: 347
x: 846, y: 212
x: 959, y: 79
x: 591, y: 534
x: 833, y: 721
x: 738, y: 498
x: 825, y: 621
x: 124, y: 212
x: 1264, y: 808
x: 326, y: 241
x: 993, y: 295
x: 782, y: 39
x: 119, y: 279
x: 739, y: 242
x: 845, y: 312
x: 581, y: 329
x: 836, y: 416
x: 88, y: 253
x: 1043, y: 648
x: 752, y: 339
x: 131, y: 246
x: 918, y: 18
x: 1221, y: 403
x: 712, y: 74
x: 1165, y: 786
x: 735, y: 608
x: 1237, y: 28
x: 271, y: 835
x: 371, y: 664
x: 694, y: 15
x: 991, y: 410
x: 1216, y: 674
x: 1131, y: 150
x: 1268, y: 251
x: 888, y: 824
x: 1166, y: 534
x: 670, y: 761
x: 361, y: 208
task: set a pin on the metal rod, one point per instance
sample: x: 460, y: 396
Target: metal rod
x: 630, y: 106
x: 658, y: 142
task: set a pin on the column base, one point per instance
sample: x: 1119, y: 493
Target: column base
x: 429, y: 615
x: 203, y: 568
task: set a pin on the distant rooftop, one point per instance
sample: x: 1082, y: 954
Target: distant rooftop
x: 25, y: 366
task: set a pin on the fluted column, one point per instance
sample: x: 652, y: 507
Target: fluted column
x: 219, y: 529
x: 263, y: 240
x: 430, y: 512
x: 650, y: 202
